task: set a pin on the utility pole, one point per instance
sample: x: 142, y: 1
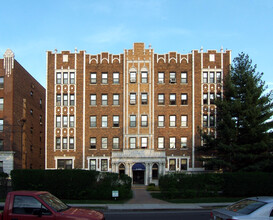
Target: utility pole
x: 23, y: 135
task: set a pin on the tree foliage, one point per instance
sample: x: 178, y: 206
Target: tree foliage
x: 244, y: 122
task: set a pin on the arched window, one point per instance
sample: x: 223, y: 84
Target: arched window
x: 155, y: 171
x: 121, y: 169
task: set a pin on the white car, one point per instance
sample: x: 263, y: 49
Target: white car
x: 258, y: 208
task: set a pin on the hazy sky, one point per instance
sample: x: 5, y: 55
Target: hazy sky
x: 32, y: 27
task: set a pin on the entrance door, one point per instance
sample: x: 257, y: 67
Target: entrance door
x: 138, y: 177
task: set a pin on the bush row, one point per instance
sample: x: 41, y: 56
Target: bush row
x: 73, y: 184
x: 241, y: 184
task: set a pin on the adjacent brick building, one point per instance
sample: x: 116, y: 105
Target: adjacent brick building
x: 22, y: 117
x: 136, y: 113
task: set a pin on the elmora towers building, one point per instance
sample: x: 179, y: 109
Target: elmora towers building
x: 136, y: 113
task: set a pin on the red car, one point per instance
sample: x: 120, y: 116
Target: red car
x: 27, y: 205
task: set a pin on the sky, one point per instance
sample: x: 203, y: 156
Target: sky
x: 32, y: 27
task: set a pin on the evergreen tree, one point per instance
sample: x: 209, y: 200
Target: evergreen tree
x: 244, y: 122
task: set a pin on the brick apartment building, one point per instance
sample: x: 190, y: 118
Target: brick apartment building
x: 22, y: 117
x: 136, y: 113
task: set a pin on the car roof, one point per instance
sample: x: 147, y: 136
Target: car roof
x: 267, y: 199
x: 28, y: 193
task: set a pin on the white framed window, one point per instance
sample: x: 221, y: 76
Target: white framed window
x: 104, y: 78
x: 104, y: 99
x: 58, y: 99
x: 115, y: 143
x: 1, y: 103
x: 205, y: 98
x: 184, y: 99
x: 205, y: 77
x: 172, y: 121
x: 172, y: 164
x: 184, y: 77
x: 172, y: 77
x: 65, y: 121
x: 65, y: 143
x: 161, y: 78
x: 144, y: 98
x: 205, y: 120
x: 72, y: 100
x: 59, y: 78
x: 65, y: 100
x: 65, y: 78
x: 184, y: 120
x: 104, y: 141
x: 64, y: 164
x: 58, y: 143
x: 93, y: 121
x: 172, y: 142
x: 132, y: 141
x: 212, y: 98
x: 132, y: 98
x: 115, y: 78
x: 218, y: 77
x: 184, y: 164
x: 115, y: 121
x: 144, y: 120
x: 93, y: 99
x: 115, y: 99
x: 211, y: 120
x: 211, y: 77
x: 58, y: 121
x: 144, y: 77
x: 93, y: 143
x: 92, y: 164
x: 160, y: 143
x: 104, y: 165
x: 132, y: 120
x: 184, y: 142
x: 132, y: 77
x: 144, y: 142
x: 72, y: 78
x: 71, y: 121
x: 161, y: 121
x: 212, y: 57
x: 93, y: 78
x: 161, y: 99
x: 172, y: 99
x: 104, y: 123
x: 71, y: 143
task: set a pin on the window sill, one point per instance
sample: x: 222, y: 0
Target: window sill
x: 184, y: 148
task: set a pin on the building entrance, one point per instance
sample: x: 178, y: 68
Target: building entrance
x: 138, y: 173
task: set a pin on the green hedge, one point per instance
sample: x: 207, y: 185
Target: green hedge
x: 241, y: 184
x: 73, y: 184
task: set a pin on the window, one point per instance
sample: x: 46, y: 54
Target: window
x: 93, y: 99
x: 144, y: 77
x: 71, y: 121
x: 31, y: 111
x: 211, y: 121
x: 155, y: 171
x: 205, y: 120
x: 132, y: 98
x: 132, y: 77
x: 58, y: 143
x: 172, y: 99
x: 93, y: 143
x: 58, y: 121
x: 72, y: 99
x: 184, y: 164
x: 132, y: 120
x: 184, y: 99
x: 115, y: 99
x: 144, y: 142
x: 104, y: 78
x: 144, y: 98
x: 184, y: 121
x: 104, y: 142
x: 1, y: 124
x: 219, y: 96
x: 64, y: 142
x: 65, y: 121
x: 1, y: 103
x: 184, y: 141
x: 93, y: 121
x: 172, y: 77
x: 59, y: 78
x: 1, y: 166
x: 104, y: 165
x: 172, y: 142
x: 65, y: 100
x: 71, y: 143
x: 161, y: 78
x: 212, y: 57
x: 161, y: 121
x: 172, y: 164
x: 104, y: 99
x: 205, y: 77
x: 144, y: 120
x: 212, y: 98
x: 205, y: 98
x: 211, y: 77
x: 64, y: 164
x: 172, y: 120
x: 41, y: 103
x: 184, y: 78
x: 104, y: 122
x: 65, y: 79
x: 160, y: 143
x: 161, y: 99
x: 93, y: 78
x: 72, y: 78
x: 115, y: 121
x: 92, y: 164
x: 1, y: 82
x: 58, y: 99
x: 115, y: 143
x: 1, y: 144
x: 132, y: 142
x: 218, y: 77
x: 115, y: 78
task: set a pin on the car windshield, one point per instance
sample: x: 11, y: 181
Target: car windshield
x: 246, y: 206
x: 53, y: 202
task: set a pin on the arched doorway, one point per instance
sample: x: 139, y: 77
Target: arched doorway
x: 121, y: 169
x: 155, y: 171
x: 138, y: 173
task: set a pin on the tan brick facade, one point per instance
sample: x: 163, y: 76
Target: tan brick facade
x: 136, y: 113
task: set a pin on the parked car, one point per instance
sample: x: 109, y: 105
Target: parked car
x: 23, y: 205
x: 258, y: 208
